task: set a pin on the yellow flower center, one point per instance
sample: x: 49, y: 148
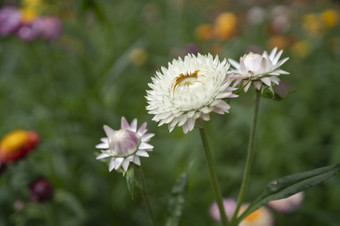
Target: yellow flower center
x: 186, y: 79
x: 14, y: 140
x: 254, y: 216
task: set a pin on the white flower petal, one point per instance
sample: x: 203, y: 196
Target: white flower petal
x: 112, y: 164
x: 266, y: 80
x: 102, y: 146
x: 147, y: 137
x: 145, y: 146
x: 109, y: 132
x: 142, y: 153
x: 133, y: 125
x: 136, y: 160
x: 118, y: 162
x: 126, y: 164
x: 103, y: 155
x: 124, y: 123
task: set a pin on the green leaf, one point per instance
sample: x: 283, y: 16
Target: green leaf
x: 176, y: 202
x: 289, y: 185
x: 130, y: 180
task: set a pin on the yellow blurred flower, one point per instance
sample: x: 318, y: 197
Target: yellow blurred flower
x: 300, y: 49
x: 204, y: 32
x: 330, y: 17
x: 31, y: 10
x: 33, y: 4
x: 312, y: 23
x: 138, y: 56
x: 16, y: 145
x: 28, y: 15
x: 278, y: 41
x: 225, y: 26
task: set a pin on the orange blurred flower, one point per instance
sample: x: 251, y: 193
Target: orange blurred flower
x: 204, y: 32
x: 278, y: 41
x: 225, y: 26
x: 16, y: 144
x: 312, y: 23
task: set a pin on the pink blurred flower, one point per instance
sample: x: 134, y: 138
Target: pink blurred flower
x: 10, y: 20
x: 287, y: 205
x: 229, y: 208
x: 47, y: 27
x: 27, y: 33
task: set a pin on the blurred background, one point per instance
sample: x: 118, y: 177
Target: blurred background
x: 68, y: 67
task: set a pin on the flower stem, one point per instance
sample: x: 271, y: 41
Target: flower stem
x: 145, y: 195
x: 213, y: 177
x: 250, y: 156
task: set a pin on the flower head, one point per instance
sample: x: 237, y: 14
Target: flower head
x: 125, y: 145
x: 259, y: 69
x: 15, y: 145
x: 288, y: 204
x: 189, y: 89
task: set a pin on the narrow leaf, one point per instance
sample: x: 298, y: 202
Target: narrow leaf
x: 289, y: 185
x: 177, y: 199
x: 130, y: 180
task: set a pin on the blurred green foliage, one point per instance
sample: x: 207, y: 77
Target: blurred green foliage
x: 67, y: 89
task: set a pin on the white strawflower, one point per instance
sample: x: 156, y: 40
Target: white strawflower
x: 189, y: 89
x: 258, y: 69
x: 125, y: 145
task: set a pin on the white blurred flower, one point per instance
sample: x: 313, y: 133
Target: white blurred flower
x: 287, y: 205
x: 258, y: 69
x: 125, y: 145
x: 256, y: 15
x: 189, y: 89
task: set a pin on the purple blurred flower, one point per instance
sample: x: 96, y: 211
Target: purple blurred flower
x: 191, y: 48
x: 10, y: 20
x: 47, y: 27
x: 41, y: 190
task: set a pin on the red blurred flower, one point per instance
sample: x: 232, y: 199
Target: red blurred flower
x: 16, y: 144
x: 41, y: 190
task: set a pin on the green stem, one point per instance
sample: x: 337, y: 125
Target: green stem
x: 145, y: 195
x: 250, y: 156
x: 213, y: 177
